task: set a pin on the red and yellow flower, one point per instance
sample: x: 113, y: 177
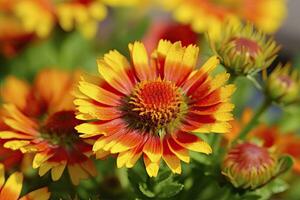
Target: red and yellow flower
x: 151, y: 108
x: 11, y: 188
x: 209, y: 15
x: 41, y: 120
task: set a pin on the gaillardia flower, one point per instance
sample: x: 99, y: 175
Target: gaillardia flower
x: 210, y: 15
x: 283, y: 85
x: 41, y: 120
x: 244, y: 50
x: 150, y: 108
x: 249, y: 166
x: 11, y: 188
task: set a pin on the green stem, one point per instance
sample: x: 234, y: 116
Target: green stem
x: 216, y: 143
x: 232, y: 78
x: 252, y: 123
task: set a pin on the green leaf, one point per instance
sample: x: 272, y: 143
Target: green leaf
x: 285, y: 163
x: 169, y: 190
x: 274, y: 187
x: 145, y: 190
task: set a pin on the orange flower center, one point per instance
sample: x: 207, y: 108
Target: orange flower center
x: 155, y: 105
x: 247, y: 45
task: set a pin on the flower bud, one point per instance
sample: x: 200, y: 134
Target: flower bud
x: 283, y: 85
x: 249, y: 166
x: 245, y: 51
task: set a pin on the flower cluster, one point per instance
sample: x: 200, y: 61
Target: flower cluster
x: 208, y: 15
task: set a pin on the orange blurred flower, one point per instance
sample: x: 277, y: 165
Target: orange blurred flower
x: 41, y: 120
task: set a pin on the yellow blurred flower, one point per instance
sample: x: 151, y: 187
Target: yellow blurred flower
x: 209, y: 15
x: 37, y: 16
x: 83, y: 15
x: 41, y: 16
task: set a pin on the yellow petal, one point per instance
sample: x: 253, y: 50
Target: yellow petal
x: 57, y: 171
x: 39, y: 194
x: 2, y: 175
x: 16, y: 144
x: 12, y: 188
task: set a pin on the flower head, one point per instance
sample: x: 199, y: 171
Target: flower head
x: 283, y: 85
x: 210, y: 15
x: 249, y: 166
x: 151, y: 108
x: 11, y: 188
x: 244, y: 50
x: 41, y: 120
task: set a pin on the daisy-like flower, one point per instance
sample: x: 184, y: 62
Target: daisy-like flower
x: 41, y: 120
x: 209, y: 15
x: 249, y: 166
x: 244, y: 50
x: 283, y: 85
x: 151, y: 108
x: 11, y: 188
